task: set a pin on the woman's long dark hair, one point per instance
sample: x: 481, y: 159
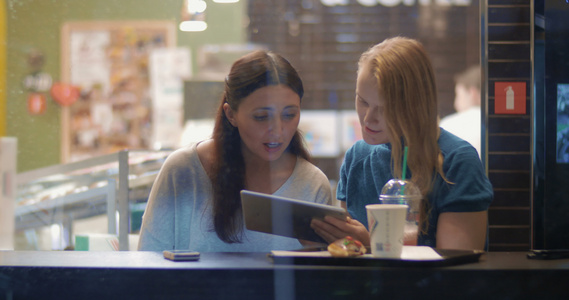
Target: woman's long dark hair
x: 248, y: 74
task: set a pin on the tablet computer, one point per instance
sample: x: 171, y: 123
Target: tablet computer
x: 285, y: 216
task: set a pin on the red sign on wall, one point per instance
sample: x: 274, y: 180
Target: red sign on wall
x: 510, y: 98
x: 36, y: 104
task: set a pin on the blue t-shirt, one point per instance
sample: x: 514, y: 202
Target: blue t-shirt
x: 366, y: 169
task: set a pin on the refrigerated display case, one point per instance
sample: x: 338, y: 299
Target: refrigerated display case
x: 110, y: 185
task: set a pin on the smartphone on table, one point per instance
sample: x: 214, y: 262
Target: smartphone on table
x: 548, y: 254
x: 181, y: 255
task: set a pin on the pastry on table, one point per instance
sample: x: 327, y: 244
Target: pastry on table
x: 346, y: 247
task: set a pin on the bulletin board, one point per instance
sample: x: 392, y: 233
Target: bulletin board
x: 109, y: 62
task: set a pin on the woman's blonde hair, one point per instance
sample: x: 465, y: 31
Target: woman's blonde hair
x: 406, y: 80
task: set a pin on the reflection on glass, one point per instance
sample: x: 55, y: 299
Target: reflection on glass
x: 322, y: 38
x: 563, y: 123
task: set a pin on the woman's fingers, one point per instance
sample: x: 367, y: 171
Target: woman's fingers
x: 326, y: 230
x: 343, y: 225
x: 350, y: 227
x: 329, y: 238
x: 332, y: 229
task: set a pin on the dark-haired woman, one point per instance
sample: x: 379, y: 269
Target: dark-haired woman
x: 195, y: 203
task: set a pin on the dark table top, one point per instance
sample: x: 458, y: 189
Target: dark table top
x: 143, y: 275
x: 244, y: 261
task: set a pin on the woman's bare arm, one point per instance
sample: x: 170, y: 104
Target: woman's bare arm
x: 462, y: 230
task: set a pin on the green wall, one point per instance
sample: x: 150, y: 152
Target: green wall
x: 36, y: 24
x: 2, y: 67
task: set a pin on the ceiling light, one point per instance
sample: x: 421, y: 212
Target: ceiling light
x: 193, y: 26
x: 193, y: 16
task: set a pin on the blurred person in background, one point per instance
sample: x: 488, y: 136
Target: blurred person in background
x: 465, y: 122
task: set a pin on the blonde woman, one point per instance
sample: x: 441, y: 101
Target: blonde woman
x: 396, y: 103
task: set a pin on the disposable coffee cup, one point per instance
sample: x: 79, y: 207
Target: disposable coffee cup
x: 386, y: 227
x: 398, y: 191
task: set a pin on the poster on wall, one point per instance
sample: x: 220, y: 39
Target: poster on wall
x: 319, y: 131
x: 109, y: 62
x: 169, y: 68
x: 351, y: 130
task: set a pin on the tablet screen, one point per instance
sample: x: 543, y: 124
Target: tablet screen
x: 285, y: 216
